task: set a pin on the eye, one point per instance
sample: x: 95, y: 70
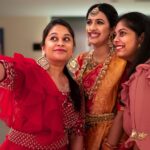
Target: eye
x: 99, y: 22
x: 122, y: 33
x: 67, y: 39
x: 53, y: 38
x: 88, y: 22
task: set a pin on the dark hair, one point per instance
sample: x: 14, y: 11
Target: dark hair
x: 75, y: 91
x: 54, y: 22
x: 108, y: 10
x: 140, y: 24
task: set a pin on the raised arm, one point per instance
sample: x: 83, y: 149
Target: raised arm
x: 2, y: 72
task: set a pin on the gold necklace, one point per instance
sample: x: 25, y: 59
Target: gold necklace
x: 100, y: 76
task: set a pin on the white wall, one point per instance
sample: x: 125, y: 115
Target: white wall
x: 21, y: 32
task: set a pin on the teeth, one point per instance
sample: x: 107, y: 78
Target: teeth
x: 118, y: 47
x: 93, y: 35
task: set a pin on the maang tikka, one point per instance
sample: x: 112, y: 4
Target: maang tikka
x: 43, y: 61
x: 94, y: 11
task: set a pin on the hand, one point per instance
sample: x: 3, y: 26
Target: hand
x: 107, y: 146
x: 2, y: 72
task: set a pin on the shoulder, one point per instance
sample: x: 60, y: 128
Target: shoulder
x: 118, y: 60
x: 142, y: 74
x: 22, y: 58
x: 144, y: 69
x: 75, y: 63
x: 82, y: 55
x: 117, y: 64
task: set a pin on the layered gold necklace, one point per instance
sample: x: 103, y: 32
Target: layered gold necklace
x: 87, y: 60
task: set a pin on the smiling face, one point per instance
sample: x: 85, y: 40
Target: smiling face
x: 126, y: 41
x: 58, y: 44
x: 98, y: 29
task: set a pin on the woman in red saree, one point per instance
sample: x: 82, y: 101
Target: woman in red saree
x: 37, y: 101
x: 99, y: 72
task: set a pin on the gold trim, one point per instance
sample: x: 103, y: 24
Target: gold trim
x: 30, y: 141
x: 135, y: 135
x: 94, y: 119
x: 100, y: 75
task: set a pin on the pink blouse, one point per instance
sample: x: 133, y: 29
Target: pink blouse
x: 136, y: 95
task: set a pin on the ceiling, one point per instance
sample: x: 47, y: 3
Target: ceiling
x: 65, y: 7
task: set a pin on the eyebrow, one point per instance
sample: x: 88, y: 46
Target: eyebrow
x: 54, y: 33
x: 96, y: 19
x: 123, y: 29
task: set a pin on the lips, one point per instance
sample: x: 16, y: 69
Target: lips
x: 94, y: 34
x: 60, y: 49
x: 118, y: 47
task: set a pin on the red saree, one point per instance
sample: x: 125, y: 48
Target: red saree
x: 100, y: 84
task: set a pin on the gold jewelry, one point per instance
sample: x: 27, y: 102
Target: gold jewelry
x: 110, y: 41
x: 100, y: 76
x: 91, y: 119
x: 135, y: 135
x: 43, y: 62
x: 139, y: 45
x: 94, y: 11
x: 92, y: 63
x: 72, y: 65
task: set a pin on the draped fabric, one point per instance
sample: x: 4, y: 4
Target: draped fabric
x: 32, y: 103
x: 136, y: 96
x: 104, y: 98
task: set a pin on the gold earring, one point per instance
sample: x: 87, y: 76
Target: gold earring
x: 72, y: 65
x: 139, y: 45
x: 43, y: 61
x: 110, y: 41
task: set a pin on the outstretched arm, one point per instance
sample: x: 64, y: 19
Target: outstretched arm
x: 2, y: 72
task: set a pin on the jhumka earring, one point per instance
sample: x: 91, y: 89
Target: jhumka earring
x: 110, y: 41
x: 43, y: 61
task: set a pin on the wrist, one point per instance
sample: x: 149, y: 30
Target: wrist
x: 109, y: 146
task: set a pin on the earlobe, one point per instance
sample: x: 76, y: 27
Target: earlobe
x: 42, y: 47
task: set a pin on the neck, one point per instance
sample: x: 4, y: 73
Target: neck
x: 100, y: 53
x: 58, y: 76
x: 56, y: 71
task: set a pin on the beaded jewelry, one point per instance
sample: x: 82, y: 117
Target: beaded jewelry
x: 95, y: 11
x: 100, y: 76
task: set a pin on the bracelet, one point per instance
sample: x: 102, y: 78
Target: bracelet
x: 109, y: 145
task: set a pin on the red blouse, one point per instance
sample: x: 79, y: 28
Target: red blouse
x: 31, y: 102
